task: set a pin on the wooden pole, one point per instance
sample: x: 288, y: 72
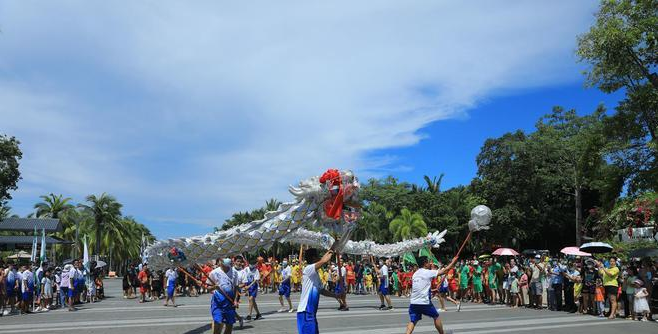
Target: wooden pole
x: 468, y: 237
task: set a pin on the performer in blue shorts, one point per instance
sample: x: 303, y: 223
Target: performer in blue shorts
x: 421, y: 294
x: 12, y: 281
x: 307, y: 323
x: 222, y: 303
x: 284, y: 287
x: 340, y: 290
x: 171, y: 275
x: 382, y: 274
x: 251, y: 279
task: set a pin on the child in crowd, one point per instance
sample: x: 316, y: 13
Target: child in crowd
x: 46, y: 291
x: 514, y: 289
x: 599, y: 297
x: 369, y: 283
x: 640, y: 304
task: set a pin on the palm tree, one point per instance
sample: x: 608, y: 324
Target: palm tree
x: 370, y: 226
x: 434, y: 184
x: 407, y: 225
x: 73, y: 222
x: 272, y: 205
x: 52, y: 206
x: 5, y: 212
x: 105, y: 210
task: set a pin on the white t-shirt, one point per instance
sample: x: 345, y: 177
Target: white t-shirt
x: 343, y: 273
x: 311, y: 287
x: 250, y: 275
x: 27, y: 279
x: 65, y: 279
x: 421, y: 284
x: 171, y: 275
x: 47, y: 286
x: 285, y: 273
x: 384, y: 274
x: 227, y: 281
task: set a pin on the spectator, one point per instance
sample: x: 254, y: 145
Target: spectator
x: 610, y: 278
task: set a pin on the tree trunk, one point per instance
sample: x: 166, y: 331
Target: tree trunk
x: 579, y: 213
x: 98, y: 236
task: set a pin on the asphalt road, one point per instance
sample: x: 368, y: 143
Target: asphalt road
x: 118, y: 315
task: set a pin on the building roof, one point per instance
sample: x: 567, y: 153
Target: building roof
x: 28, y: 224
x: 27, y: 240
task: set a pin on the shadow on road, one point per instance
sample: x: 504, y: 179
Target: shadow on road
x: 206, y: 328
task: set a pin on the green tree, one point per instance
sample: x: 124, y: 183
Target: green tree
x: 10, y: 154
x: 433, y: 184
x: 622, y: 49
x: 370, y: 225
x: 569, y: 152
x: 106, y: 210
x: 240, y: 218
x: 407, y: 225
x: 52, y: 206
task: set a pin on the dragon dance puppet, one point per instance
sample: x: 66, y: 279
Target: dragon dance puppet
x: 329, y: 203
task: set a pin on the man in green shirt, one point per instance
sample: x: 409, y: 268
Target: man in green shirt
x: 494, y: 266
x: 464, y: 276
x: 477, y: 282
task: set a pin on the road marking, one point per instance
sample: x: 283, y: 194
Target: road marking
x: 159, y: 322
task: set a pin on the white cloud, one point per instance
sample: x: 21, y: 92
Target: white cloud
x: 200, y: 110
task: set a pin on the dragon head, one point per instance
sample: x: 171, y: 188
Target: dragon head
x: 336, y: 194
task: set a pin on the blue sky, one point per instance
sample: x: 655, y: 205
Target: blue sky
x: 188, y: 112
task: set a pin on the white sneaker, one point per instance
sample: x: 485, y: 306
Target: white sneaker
x: 5, y: 313
x: 38, y: 309
x: 280, y: 310
x: 292, y: 310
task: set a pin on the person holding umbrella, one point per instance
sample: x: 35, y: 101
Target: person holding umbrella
x: 610, y: 284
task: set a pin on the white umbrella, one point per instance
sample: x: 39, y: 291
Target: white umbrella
x: 596, y: 247
x: 100, y: 264
x: 20, y: 255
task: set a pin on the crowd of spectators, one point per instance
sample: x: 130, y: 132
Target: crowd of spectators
x: 31, y: 287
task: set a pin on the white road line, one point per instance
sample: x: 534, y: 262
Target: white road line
x: 99, y: 324
x: 322, y: 314
x: 507, y: 324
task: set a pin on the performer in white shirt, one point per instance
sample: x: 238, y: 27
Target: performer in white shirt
x: 170, y: 277
x: 251, y: 280
x: 307, y: 322
x: 223, y: 302
x: 421, y: 295
x: 284, y: 287
x: 382, y: 274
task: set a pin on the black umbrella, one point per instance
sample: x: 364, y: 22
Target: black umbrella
x: 644, y: 252
x: 596, y: 247
x: 529, y: 252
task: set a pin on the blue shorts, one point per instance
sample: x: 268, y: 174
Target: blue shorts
x: 307, y: 323
x: 284, y: 290
x: 339, y: 289
x: 383, y: 289
x: 253, y: 290
x: 443, y: 289
x: 170, y: 290
x: 416, y: 312
x: 27, y: 295
x: 72, y: 292
x: 221, y: 309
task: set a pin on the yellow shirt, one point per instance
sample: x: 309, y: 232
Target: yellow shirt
x: 276, y: 273
x: 369, y: 280
x: 294, y: 277
x: 610, y: 280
